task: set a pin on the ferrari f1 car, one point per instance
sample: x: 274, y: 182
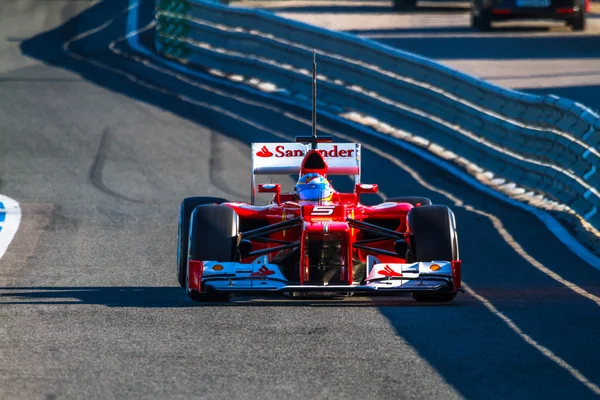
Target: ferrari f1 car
x: 315, y: 239
x: 290, y: 246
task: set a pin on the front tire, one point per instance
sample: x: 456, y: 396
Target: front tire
x: 185, y: 211
x: 213, y: 236
x: 433, y: 238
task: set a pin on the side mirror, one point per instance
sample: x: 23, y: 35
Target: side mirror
x: 271, y: 188
x: 361, y: 188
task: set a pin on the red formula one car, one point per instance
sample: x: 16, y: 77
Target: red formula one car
x: 315, y: 239
x: 330, y: 244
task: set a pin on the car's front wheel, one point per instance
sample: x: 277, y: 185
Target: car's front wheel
x: 213, y: 236
x: 433, y: 238
x: 185, y: 211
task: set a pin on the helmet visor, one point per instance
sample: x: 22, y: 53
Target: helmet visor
x: 313, y: 192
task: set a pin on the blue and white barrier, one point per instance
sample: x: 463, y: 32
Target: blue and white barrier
x: 545, y: 144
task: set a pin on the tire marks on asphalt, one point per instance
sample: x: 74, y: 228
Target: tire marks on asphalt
x: 95, y: 174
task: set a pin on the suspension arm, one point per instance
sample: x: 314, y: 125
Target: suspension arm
x: 375, y: 250
x: 265, y: 230
x: 272, y: 249
x: 365, y: 226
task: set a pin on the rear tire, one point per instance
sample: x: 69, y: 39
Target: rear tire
x: 579, y: 22
x: 414, y: 200
x: 404, y: 5
x: 481, y: 22
x: 433, y: 238
x: 185, y: 211
x: 213, y: 237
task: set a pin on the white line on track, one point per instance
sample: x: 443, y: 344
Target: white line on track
x: 543, y: 350
x: 529, y: 340
x: 10, y: 224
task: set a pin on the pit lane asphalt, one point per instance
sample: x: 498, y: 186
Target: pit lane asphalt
x: 89, y: 304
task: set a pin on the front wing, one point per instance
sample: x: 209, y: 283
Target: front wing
x: 389, y: 278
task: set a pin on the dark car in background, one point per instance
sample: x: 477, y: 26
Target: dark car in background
x: 573, y: 12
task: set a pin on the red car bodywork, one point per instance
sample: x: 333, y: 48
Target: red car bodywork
x: 355, y: 229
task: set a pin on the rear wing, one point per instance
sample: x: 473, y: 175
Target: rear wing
x: 286, y: 159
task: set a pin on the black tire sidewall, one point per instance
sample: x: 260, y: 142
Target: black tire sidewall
x: 185, y: 211
x: 433, y: 233
x: 213, y: 233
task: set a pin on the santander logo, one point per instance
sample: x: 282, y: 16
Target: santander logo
x: 282, y: 152
x: 264, y: 152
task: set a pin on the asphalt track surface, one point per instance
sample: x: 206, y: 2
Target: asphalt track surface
x: 89, y: 304
x: 534, y: 56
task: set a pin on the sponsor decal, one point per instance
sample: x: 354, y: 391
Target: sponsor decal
x: 282, y: 152
x: 263, y: 271
x: 387, y: 271
x: 322, y: 210
x: 264, y: 152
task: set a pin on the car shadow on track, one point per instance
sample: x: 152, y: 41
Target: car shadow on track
x: 175, y: 297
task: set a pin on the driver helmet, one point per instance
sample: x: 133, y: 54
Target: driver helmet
x: 314, y: 187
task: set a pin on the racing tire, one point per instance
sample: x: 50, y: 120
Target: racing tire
x: 481, y: 22
x: 213, y: 235
x: 414, y: 200
x: 474, y: 21
x: 579, y: 22
x: 185, y: 212
x: 433, y: 237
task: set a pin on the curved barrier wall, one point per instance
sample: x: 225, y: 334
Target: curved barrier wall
x: 544, y: 143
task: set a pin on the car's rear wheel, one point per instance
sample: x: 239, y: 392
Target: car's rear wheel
x: 404, y: 5
x: 579, y: 22
x: 480, y: 19
x: 185, y: 211
x: 414, y: 200
x: 484, y: 23
x: 213, y: 237
x: 433, y: 237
